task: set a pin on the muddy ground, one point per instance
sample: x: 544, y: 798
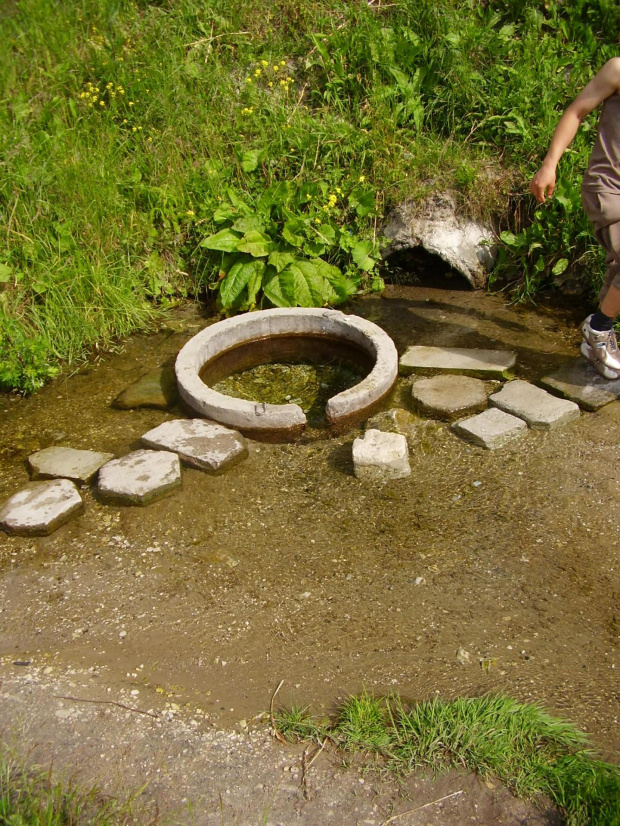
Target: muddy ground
x: 288, y: 568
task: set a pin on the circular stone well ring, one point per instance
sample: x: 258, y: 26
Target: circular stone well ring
x: 236, y: 342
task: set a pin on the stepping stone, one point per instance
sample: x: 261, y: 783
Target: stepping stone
x: 201, y: 444
x: 140, y: 477
x: 157, y: 389
x: 66, y: 463
x: 449, y: 397
x: 579, y: 382
x: 539, y: 409
x: 482, y: 364
x: 491, y: 429
x: 40, y: 508
x: 380, y: 457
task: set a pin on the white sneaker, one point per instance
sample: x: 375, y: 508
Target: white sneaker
x: 604, y: 345
x: 588, y: 353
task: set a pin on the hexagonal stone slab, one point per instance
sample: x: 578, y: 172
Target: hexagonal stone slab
x: 449, y: 397
x: 491, y: 429
x: 66, y: 463
x: 140, y: 477
x: 40, y: 508
x: 380, y: 457
x: 199, y: 443
x: 483, y: 364
x: 579, y: 382
x: 539, y: 409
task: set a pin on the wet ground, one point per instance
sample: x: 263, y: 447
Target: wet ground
x: 288, y: 567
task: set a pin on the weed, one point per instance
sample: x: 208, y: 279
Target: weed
x: 530, y: 751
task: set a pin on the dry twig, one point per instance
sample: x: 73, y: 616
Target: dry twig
x: 108, y: 703
x: 419, y: 808
x: 278, y: 734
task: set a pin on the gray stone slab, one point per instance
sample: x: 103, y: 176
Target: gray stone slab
x: 201, y: 444
x: 140, y: 477
x: 579, y: 382
x: 466, y: 362
x: 157, y: 389
x: 40, y: 508
x: 491, y: 429
x: 449, y: 397
x: 381, y: 457
x: 539, y: 409
x: 66, y: 463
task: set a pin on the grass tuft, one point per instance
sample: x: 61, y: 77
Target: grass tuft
x: 530, y: 751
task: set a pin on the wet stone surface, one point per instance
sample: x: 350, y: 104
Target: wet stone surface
x: 458, y: 360
x: 66, y: 463
x: 380, y: 457
x: 157, y: 389
x: 491, y: 429
x: 201, y: 444
x: 579, y: 382
x: 140, y: 477
x: 449, y: 397
x: 40, y: 508
x: 539, y: 409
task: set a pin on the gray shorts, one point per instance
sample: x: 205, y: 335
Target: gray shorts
x: 603, y: 210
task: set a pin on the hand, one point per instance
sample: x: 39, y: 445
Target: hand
x: 543, y: 183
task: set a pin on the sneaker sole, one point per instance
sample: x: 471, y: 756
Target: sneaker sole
x: 589, y: 355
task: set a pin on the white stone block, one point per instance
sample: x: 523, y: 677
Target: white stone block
x: 379, y: 456
x: 539, y: 409
x: 66, y: 463
x: 140, y: 477
x: 491, y: 429
x: 201, y: 444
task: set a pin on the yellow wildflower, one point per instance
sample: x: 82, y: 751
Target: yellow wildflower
x: 149, y: 139
x: 134, y: 128
x: 317, y: 220
x: 248, y: 80
x: 101, y: 103
x: 270, y: 84
x: 289, y: 79
x: 276, y: 68
x: 131, y: 103
x: 190, y: 212
x: 283, y: 63
x: 257, y: 73
x: 264, y: 63
x: 362, y: 178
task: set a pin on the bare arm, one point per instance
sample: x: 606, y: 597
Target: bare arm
x: 604, y: 84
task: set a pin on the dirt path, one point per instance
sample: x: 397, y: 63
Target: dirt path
x: 289, y: 568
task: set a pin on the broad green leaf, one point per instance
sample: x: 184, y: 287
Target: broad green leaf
x: 255, y: 243
x: 510, y: 239
x: 307, y: 193
x: 223, y: 213
x: 276, y: 195
x: 361, y: 255
x: 238, y: 202
x: 6, y: 273
x: 280, y: 260
x: 314, y: 248
x: 238, y: 278
x: 251, y: 159
x: 326, y: 233
x: 249, y: 222
x: 255, y: 283
x: 301, y: 284
x: 362, y: 201
x: 539, y: 264
x: 560, y: 266
x: 225, y: 240
x: 273, y: 289
x: 341, y: 287
x: 291, y: 232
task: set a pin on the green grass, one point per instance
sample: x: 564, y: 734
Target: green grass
x: 30, y: 797
x: 533, y: 753
x: 125, y: 124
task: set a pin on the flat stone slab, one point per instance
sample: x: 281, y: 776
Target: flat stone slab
x: 140, y: 477
x: 449, y: 397
x: 539, y: 409
x: 40, y: 508
x: 199, y: 443
x: 158, y: 389
x: 579, y: 382
x: 66, y: 463
x: 466, y: 362
x: 380, y: 457
x: 491, y: 429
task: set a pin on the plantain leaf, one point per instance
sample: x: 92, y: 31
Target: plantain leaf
x: 225, y: 240
x: 255, y: 243
x: 280, y: 260
x: 240, y: 274
x: 560, y: 266
x: 291, y: 232
x: 361, y: 255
